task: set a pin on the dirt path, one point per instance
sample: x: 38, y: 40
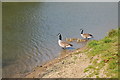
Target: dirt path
x: 66, y: 66
x: 71, y: 67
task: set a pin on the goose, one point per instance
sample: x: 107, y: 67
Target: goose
x: 63, y: 44
x: 86, y: 35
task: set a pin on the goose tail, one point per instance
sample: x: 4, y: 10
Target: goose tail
x: 70, y: 44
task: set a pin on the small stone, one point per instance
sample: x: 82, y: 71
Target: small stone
x: 63, y: 62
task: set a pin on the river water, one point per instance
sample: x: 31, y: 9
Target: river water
x: 30, y: 30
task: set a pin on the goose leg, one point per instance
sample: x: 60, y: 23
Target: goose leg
x: 63, y: 48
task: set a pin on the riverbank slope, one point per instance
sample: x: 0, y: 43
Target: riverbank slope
x: 99, y: 59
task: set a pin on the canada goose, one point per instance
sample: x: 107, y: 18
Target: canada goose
x: 63, y: 44
x: 86, y: 35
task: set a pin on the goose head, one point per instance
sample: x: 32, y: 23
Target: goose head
x: 81, y: 31
x: 60, y: 36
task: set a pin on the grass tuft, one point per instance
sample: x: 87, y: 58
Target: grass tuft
x: 107, y: 49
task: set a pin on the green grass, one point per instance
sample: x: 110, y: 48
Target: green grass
x: 107, y: 49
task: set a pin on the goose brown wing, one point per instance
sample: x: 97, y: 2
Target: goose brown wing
x: 87, y: 35
x: 66, y: 44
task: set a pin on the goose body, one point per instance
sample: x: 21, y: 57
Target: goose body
x: 86, y: 35
x: 63, y: 44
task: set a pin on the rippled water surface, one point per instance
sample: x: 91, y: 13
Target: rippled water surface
x: 30, y: 30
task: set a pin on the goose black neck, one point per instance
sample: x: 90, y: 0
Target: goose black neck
x: 81, y: 31
x: 60, y: 37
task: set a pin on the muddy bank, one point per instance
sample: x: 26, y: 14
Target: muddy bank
x: 62, y: 64
x: 98, y: 59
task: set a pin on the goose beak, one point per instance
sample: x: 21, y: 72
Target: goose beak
x: 81, y: 29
